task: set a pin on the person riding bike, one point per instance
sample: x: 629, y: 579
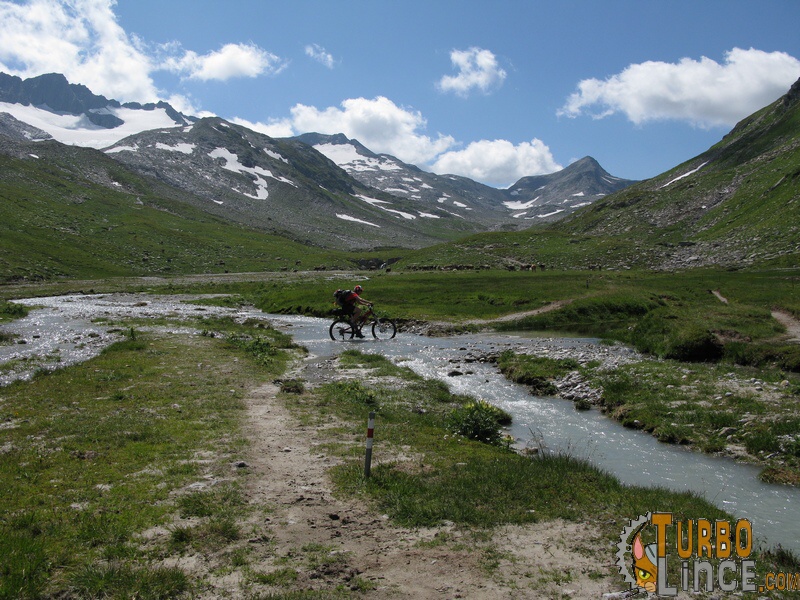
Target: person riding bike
x: 352, y: 307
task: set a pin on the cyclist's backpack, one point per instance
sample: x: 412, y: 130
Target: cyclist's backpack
x: 341, y: 297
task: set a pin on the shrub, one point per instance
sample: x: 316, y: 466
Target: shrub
x: 693, y: 344
x: 292, y: 386
x: 478, y: 420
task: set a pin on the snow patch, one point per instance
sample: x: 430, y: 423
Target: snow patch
x: 232, y: 164
x: 555, y: 212
x: 77, y: 130
x: 521, y: 205
x: 354, y: 220
x: 116, y: 149
x: 372, y: 201
x: 679, y: 177
x: 183, y: 148
x: 275, y: 155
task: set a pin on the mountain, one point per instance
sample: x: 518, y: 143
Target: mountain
x: 72, y: 114
x: 736, y: 204
x: 282, y: 186
x: 551, y: 197
x: 68, y: 211
x: 457, y: 195
x: 542, y: 198
x: 16, y: 129
x: 322, y: 190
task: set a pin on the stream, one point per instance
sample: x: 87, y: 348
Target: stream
x: 64, y: 330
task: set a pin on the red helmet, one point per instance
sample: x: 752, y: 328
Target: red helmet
x: 358, y: 289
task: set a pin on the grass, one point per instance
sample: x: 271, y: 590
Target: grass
x: 706, y: 405
x: 473, y: 483
x: 442, y: 478
x: 99, y: 452
x: 147, y: 230
x: 668, y: 315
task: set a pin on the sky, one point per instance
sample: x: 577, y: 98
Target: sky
x: 494, y: 91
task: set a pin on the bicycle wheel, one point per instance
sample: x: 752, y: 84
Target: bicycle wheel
x: 340, y: 330
x: 383, y: 329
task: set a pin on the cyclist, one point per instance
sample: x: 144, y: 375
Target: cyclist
x: 352, y: 307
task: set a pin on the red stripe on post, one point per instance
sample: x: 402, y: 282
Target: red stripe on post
x: 370, y: 432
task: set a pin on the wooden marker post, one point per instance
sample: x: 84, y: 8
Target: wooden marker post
x: 370, y: 431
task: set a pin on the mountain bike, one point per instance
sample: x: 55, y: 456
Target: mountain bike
x: 382, y: 328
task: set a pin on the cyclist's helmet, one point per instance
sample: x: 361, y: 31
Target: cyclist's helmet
x: 358, y: 289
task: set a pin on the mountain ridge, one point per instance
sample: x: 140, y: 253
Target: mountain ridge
x: 55, y: 92
x: 381, y: 200
x: 565, y: 191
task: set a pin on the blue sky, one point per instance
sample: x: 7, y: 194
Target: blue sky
x: 490, y: 90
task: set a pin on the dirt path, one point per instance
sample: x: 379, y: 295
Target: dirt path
x: 792, y: 325
x: 719, y: 296
x: 446, y: 327
x: 521, y: 315
x: 361, y: 548
x: 786, y: 319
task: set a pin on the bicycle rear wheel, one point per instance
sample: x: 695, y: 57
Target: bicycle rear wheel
x: 383, y: 329
x: 341, y: 330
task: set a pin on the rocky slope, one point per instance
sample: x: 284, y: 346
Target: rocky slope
x: 536, y: 199
x: 281, y: 186
x: 736, y: 204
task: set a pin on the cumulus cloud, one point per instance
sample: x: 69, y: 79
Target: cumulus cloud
x: 232, y: 60
x: 319, y: 54
x: 703, y: 92
x: 83, y: 40
x: 498, y: 162
x: 79, y: 38
x: 477, y: 69
x: 384, y: 127
x: 276, y: 128
x: 379, y: 124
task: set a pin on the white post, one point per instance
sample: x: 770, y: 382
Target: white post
x: 370, y: 431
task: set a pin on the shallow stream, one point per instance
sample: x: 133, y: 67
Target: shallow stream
x: 65, y: 330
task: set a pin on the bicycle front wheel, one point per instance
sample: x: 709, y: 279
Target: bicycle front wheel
x: 341, y: 330
x: 383, y: 329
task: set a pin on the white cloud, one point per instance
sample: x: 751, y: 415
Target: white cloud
x: 379, y: 124
x: 477, y: 68
x: 78, y: 38
x: 703, y: 92
x: 384, y: 127
x: 83, y: 40
x: 232, y: 60
x: 498, y: 162
x: 276, y: 128
x: 319, y: 54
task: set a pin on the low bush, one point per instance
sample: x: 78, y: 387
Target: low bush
x: 536, y: 372
x: 12, y: 310
x: 478, y: 420
x: 786, y: 357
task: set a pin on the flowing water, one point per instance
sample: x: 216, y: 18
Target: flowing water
x: 65, y: 330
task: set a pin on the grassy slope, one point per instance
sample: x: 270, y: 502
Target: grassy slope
x: 63, y: 226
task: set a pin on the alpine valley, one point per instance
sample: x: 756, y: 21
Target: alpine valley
x: 90, y: 186
x: 319, y: 191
